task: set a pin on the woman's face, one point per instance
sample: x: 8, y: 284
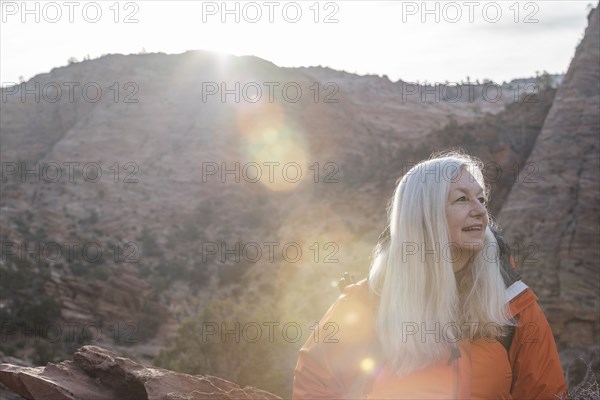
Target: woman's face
x: 467, y: 218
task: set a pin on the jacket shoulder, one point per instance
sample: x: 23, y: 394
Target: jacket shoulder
x: 359, y: 288
x: 537, y: 371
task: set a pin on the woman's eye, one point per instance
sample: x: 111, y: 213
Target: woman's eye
x: 461, y: 198
x: 482, y: 200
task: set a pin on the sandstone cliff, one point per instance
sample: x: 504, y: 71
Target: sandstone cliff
x: 152, y: 132
x: 552, y: 212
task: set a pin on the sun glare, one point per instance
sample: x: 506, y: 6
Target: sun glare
x: 278, y: 151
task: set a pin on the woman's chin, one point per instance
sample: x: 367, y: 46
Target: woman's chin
x: 468, y: 250
x: 473, y: 242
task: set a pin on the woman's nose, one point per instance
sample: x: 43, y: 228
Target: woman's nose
x: 478, y: 208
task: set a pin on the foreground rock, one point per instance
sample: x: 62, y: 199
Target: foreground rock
x: 98, y: 374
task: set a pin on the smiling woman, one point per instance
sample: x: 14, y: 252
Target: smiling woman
x: 467, y: 218
x: 436, y: 315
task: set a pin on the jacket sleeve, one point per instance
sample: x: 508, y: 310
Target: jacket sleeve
x: 329, y: 363
x: 537, y: 372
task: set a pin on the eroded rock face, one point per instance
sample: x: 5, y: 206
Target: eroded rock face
x: 552, y: 214
x: 169, y: 135
x: 98, y: 374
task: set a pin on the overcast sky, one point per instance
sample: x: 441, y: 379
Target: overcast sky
x: 495, y: 40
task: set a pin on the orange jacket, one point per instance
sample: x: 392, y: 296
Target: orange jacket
x: 337, y: 360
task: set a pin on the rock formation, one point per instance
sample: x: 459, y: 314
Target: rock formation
x: 98, y: 374
x: 552, y: 213
x: 152, y: 139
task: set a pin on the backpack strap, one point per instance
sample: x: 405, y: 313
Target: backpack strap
x: 512, y: 279
x: 507, y: 263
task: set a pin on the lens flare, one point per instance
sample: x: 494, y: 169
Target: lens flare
x: 367, y: 364
x: 279, y: 150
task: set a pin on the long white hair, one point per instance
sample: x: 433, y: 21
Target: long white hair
x: 424, y: 305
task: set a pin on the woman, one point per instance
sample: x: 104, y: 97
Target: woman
x: 432, y: 317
